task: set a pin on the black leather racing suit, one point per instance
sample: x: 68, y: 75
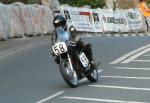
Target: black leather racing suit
x: 80, y: 44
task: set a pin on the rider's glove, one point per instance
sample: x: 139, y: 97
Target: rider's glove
x: 72, y: 42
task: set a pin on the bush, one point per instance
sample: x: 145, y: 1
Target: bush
x: 79, y: 3
x: 23, y: 1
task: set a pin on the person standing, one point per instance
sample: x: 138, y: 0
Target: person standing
x: 144, y: 8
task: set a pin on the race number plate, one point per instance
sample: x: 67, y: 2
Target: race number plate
x: 83, y: 60
x: 59, y: 48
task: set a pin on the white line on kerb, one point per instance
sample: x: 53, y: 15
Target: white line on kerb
x: 99, y: 100
x: 123, y: 77
x: 136, y: 55
x: 132, y: 68
x: 129, y: 54
x: 50, y: 97
x: 121, y: 87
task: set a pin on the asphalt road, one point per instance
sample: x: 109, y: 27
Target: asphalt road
x: 29, y: 75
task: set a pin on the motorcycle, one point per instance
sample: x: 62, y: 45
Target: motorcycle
x: 74, y: 65
x: 73, y: 62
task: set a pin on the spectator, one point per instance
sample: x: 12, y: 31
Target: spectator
x: 144, y: 8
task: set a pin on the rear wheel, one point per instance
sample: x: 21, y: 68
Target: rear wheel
x: 69, y: 75
x: 93, y: 76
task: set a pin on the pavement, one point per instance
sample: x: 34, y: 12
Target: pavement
x: 16, y: 43
x: 34, y: 77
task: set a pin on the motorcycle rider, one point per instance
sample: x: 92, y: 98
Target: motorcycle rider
x: 71, y: 36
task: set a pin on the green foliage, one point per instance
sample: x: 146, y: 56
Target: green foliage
x: 23, y: 1
x: 79, y: 3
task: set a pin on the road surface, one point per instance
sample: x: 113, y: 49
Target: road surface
x: 29, y: 75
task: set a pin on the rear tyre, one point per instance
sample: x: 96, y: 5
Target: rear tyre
x: 93, y: 76
x: 69, y: 76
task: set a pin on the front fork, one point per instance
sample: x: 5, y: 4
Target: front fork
x: 70, y: 63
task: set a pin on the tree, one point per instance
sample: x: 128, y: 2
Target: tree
x: 79, y: 3
x: 23, y: 1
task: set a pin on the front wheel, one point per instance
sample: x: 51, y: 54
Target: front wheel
x: 93, y: 76
x: 69, y: 75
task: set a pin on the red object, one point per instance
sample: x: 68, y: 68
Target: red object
x: 85, y: 13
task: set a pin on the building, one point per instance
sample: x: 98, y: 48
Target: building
x: 126, y: 4
x: 121, y: 4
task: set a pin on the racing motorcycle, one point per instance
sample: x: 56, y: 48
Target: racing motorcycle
x: 74, y: 65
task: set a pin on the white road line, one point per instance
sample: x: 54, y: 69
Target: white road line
x: 61, y: 92
x: 146, y: 55
x: 129, y: 54
x: 141, y: 60
x: 50, y: 97
x: 123, y: 77
x: 136, y: 56
x: 121, y: 87
x: 132, y: 68
x: 100, y: 100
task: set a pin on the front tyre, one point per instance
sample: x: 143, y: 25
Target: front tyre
x: 93, y: 76
x: 70, y: 76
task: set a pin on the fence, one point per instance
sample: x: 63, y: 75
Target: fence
x: 17, y: 20
x: 99, y: 20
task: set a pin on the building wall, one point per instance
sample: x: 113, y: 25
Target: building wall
x: 109, y: 4
x: 122, y: 4
x: 126, y: 4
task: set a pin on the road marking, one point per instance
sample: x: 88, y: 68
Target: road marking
x: 123, y: 77
x: 61, y: 92
x: 146, y: 55
x: 136, y: 56
x: 121, y: 87
x: 141, y: 60
x: 129, y: 54
x: 50, y: 97
x: 99, y: 100
x: 131, y: 68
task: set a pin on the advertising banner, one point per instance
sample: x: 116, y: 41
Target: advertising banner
x: 113, y: 21
x: 83, y: 19
x: 97, y: 22
x: 134, y: 20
